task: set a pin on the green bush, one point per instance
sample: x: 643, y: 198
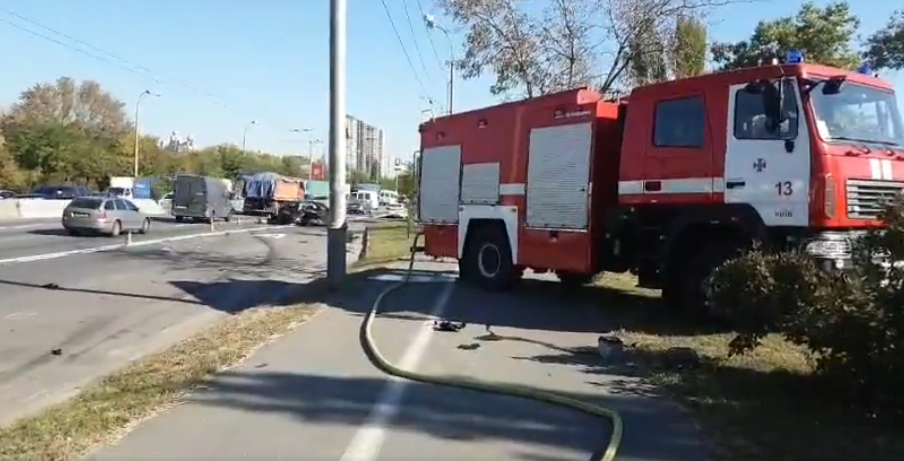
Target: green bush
x: 852, y: 323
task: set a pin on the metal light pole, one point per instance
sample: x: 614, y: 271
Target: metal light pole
x: 311, y: 144
x: 137, y: 133
x: 432, y: 24
x: 245, y: 134
x: 310, y: 147
x: 337, y: 231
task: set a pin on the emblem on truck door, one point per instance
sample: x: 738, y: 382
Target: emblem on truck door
x: 760, y: 165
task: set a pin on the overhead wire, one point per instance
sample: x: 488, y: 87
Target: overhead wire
x: 439, y: 60
x: 395, y: 29
x: 417, y: 48
x: 107, y: 56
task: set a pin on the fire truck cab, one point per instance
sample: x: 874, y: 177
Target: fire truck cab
x: 666, y: 184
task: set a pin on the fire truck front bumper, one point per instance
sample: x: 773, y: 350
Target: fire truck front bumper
x: 832, y: 250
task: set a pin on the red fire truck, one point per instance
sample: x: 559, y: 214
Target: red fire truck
x: 667, y: 183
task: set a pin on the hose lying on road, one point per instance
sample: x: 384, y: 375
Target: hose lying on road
x: 465, y: 382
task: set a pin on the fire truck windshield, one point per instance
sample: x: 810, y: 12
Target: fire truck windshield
x: 858, y: 113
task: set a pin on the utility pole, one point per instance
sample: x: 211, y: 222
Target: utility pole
x: 337, y: 231
x: 137, y: 132
x: 245, y: 134
x: 432, y: 24
x: 311, y: 143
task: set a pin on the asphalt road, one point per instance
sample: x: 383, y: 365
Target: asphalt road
x: 106, y: 308
x: 25, y: 239
x: 314, y: 396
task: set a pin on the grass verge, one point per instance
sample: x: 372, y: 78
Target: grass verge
x: 764, y: 405
x: 387, y: 242
x: 103, y: 411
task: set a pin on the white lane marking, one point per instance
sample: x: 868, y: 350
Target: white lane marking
x: 272, y: 236
x: 19, y: 315
x: 140, y: 243
x: 24, y: 226
x: 368, y: 440
x: 415, y: 278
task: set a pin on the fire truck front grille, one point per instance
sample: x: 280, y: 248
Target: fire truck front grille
x: 865, y: 198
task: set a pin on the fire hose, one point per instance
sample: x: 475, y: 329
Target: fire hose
x: 467, y: 382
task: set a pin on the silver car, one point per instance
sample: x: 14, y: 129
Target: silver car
x: 104, y: 215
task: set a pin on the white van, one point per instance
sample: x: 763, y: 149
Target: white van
x: 389, y: 197
x: 368, y: 196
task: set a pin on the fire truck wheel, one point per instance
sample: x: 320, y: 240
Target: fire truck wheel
x: 488, y: 262
x: 685, y: 288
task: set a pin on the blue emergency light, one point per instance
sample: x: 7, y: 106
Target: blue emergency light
x: 865, y: 69
x: 794, y: 57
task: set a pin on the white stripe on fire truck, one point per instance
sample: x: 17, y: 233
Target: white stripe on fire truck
x: 881, y: 169
x: 516, y: 188
x: 673, y: 186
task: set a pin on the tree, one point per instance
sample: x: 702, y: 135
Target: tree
x: 533, y: 51
x: 688, y: 47
x: 66, y: 102
x: 824, y: 35
x: 649, y: 50
x: 11, y: 176
x: 885, y: 48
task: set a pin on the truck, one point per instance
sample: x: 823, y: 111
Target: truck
x: 266, y: 193
x: 667, y: 183
x: 121, y: 186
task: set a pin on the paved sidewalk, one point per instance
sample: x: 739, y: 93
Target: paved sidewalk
x: 313, y: 395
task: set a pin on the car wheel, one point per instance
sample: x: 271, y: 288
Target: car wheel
x: 145, y: 226
x: 116, y: 230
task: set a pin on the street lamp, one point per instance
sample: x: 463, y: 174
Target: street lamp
x: 245, y: 134
x: 137, y: 134
x: 432, y: 24
x: 311, y: 143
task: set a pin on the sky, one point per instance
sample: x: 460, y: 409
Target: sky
x: 218, y: 65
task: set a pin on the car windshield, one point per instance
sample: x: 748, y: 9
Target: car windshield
x: 117, y: 191
x: 85, y: 202
x: 858, y: 113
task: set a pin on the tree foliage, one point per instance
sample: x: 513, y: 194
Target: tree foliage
x: 885, y: 48
x: 659, y: 55
x: 824, y: 35
x: 77, y: 133
x: 688, y: 47
x: 534, y: 50
x: 852, y: 323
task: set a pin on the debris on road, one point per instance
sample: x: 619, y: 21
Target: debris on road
x: 448, y: 326
x: 610, y: 347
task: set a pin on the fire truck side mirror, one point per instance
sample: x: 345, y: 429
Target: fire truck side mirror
x: 753, y: 88
x: 773, y: 104
x: 833, y: 85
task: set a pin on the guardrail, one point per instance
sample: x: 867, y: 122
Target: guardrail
x: 38, y: 208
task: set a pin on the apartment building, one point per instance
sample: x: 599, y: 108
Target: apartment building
x: 365, y: 147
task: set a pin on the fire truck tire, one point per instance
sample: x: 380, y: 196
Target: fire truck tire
x: 685, y: 287
x: 487, y: 262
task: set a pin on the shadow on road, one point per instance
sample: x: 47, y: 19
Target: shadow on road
x: 60, y: 232
x: 454, y: 414
x: 533, y: 305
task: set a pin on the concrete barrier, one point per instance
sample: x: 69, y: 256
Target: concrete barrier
x: 9, y: 209
x: 36, y: 208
